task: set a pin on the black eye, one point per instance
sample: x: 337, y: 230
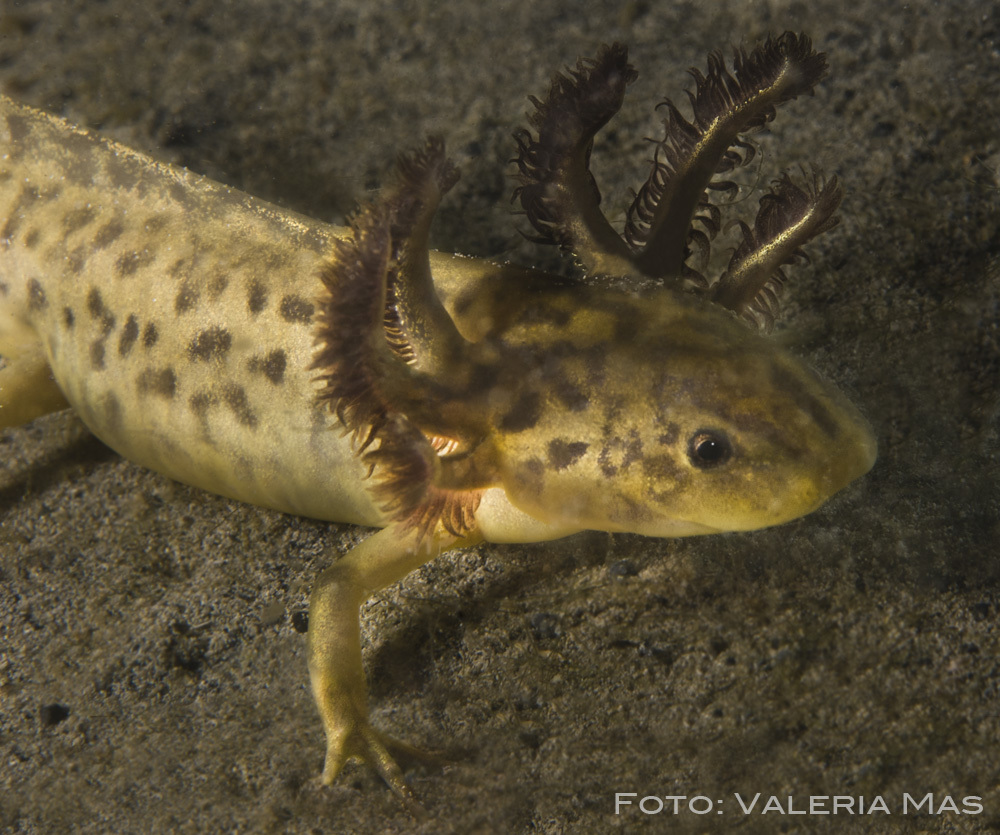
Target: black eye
x: 709, y: 448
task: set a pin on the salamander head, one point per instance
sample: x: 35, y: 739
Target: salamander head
x: 590, y: 403
x: 687, y: 422
x: 665, y: 416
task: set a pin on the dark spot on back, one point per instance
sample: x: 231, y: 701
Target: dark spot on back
x: 178, y: 192
x: 154, y: 223
x: 271, y: 366
x: 78, y: 218
x: 563, y: 453
x: 201, y: 403
x: 4, y: 289
x: 480, y: 376
x: 95, y: 304
x: 664, y: 469
x: 162, y: 382
x: 27, y: 198
x: 32, y: 238
x: 211, y: 343
x: 36, y: 295
x: 569, y: 395
x: 531, y: 474
x: 217, y: 285
x: 624, y: 331
x: 76, y: 260
x: 523, y: 414
x: 807, y: 401
x: 594, y: 363
x: 274, y: 261
x: 112, y: 412
x: 149, y: 335
x: 669, y: 435
x: 296, y: 309
x: 129, y: 262
x: 186, y: 298
x: 553, y: 349
x: 108, y: 234
x: 97, y: 354
x: 618, y: 454
x: 175, y: 269
x: 68, y: 318
x: 256, y: 297
x: 236, y: 399
x: 245, y: 470
x: 10, y: 229
x: 130, y: 333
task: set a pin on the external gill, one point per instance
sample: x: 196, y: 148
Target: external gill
x: 557, y: 191
x: 387, y: 348
x: 788, y: 216
x: 561, y: 200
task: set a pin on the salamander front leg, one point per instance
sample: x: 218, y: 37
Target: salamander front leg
x: 334, y: 647
x: 27, y: 389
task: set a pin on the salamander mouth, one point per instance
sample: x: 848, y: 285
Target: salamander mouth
x: 851, y: 462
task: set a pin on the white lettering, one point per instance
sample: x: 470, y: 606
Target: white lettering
x: 746, y: 809
x: 657, y: 810
x: 908, y: 801
x: 676, y: 798
x: 620, y: 801
x: 791, y: 807
x: 816, y: 803
x: 845, y: 801
x: 878, y: 805
x: 948, y: 805
x: 700, y: 798
x: 973, y: 805
x: 772, y: 805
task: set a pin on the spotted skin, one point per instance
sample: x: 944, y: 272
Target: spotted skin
x: 178, y: 317
x: 169, y: 307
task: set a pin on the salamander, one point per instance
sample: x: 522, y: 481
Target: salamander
x: 352, y: 374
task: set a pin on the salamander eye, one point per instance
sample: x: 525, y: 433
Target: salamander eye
x: 709, y: 448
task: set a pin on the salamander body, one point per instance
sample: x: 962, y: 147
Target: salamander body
x: 352, y: 374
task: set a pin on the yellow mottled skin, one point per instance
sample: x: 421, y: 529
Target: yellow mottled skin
x: 178, y: 318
